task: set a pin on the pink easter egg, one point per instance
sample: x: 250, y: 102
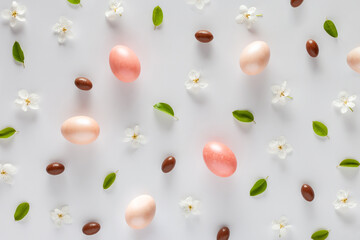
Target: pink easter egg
x: 219, y: 159
x: 80, y: 130
x: 124, y: 63
x: 140, y: 211
x: 254, y: 58
x: 353, y: 59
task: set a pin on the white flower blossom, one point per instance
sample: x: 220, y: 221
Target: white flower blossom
x: 190, y: 206
x: 63, y: 29
x: 281, y: 226
x: 247, y: 16
x: 27, y: 100
x: 343, y: 200
x: 280, y: 147
x: 115, y: 9
x: 6, y: 172
x: 198, y: 3
x: 60, y: 216
x: 345, y: 102
x: 134, y: 136
x: 194, y: 81
x: 14, y: 14
x: 281, y: 94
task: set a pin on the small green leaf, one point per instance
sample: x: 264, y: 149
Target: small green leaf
x: 18, y: 53
x: 7, y: 132
x: 21, y: 211
x: 243, y: 116
x: 330, y: 28
x: 166, y: 108
x: 320, y: 235
x: 75, y: 2
x: 157, y: 16
x: 349, y: 163
x: 259, y: 187
x: 109, y: 180
x: 320, y: 129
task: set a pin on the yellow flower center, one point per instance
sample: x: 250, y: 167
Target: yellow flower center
x: 344, y: 200
x: 3, y: 172
x: 281, y: 226
x: 64, y: 29
x: 27, y: 101
x: 282, y: 94
x: 196, y: 80
x: 247, y: 15
x: 14, y: 14
x: 280, y: 147
x: 134, y: 136
x: 190, y: 207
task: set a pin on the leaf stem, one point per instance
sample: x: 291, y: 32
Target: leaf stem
x: 116, y: 171
x: 259, y: 15
x: 290, y: 97
x: 351, y: 109
x: 154, y: 27
x: 176, y: 118
x: 328, y: 136
x: 266, y: 178
x: 254, y: 122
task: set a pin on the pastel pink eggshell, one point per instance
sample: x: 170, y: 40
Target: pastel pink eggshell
x: 219, y: 159
x: 80, y: 130
x: 353, y: 59
x: 140, y: 211
x: 124, y: 63
x: 254, y: 58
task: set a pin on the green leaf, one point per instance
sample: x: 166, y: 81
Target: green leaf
x: 349, y: 163
x: 320, y: 235
x: 21, y: 211
x: 166, y: 108
x: 7, y: 132
x: 259, y: 187
x: 157, y: 16
x: 109, y: 180
x: 18, y: 53
x: 320, y: 129
x: 75, y: 2
x: 243, y: 116
x: 330, y: 28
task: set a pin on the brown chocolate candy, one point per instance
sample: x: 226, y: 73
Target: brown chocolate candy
x: 223, y: 234
x: 296, y: 3
x: 307, y: 192
x: 83, y: 83
x: 204, y: 36
x: 55, y: 168
x: 168, y: 164
x: 91, y: 228
x: 312, y: 48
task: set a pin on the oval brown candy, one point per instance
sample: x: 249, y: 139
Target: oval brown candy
x: 296, y: 3
x: 83, y: 83
x: 312, y: 48
x: 168, y: 164
x: 223, y: 234
x: 91, y: 228
x: 307, y: 192
x: 55, y: 168
x: 204, y: 36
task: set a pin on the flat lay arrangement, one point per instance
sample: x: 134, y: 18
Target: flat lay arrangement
x: 194, y: 119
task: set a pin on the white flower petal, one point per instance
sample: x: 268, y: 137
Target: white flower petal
x: 6, y: 14
x: 24, y: 107
x: 9, y: 168
x: 202, y: 84
x: 129, y: 132
x: 137, y: 130
x: 240, y: 18
x: 251, y: 10
x: 189, y: 84
x: 338, y: 103
x: 344, y: 109
x: 342, y: 195
x: 243, y: 9
x: 193, y: 74
x: 352, y: 98
x: 65, y: 209
x: 199, y: 4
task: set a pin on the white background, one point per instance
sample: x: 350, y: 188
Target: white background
x: 167, y: 55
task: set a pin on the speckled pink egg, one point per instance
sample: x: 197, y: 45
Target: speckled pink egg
x: 80, y: 130
x: 254, y: 58
x: 219, y: 159
x: 353, y: 59
x: 124, y: 63
x: 140, y: 211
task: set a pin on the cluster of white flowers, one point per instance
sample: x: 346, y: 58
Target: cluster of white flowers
x: 133, y: 136
x: 15, y: 14
x: 247, y: 16
x: 280, y: 147
x: 345, y: 102
x: 6, y: 172
x: 194, y: 81
x: 27, y: 100
x: 190, y: 206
